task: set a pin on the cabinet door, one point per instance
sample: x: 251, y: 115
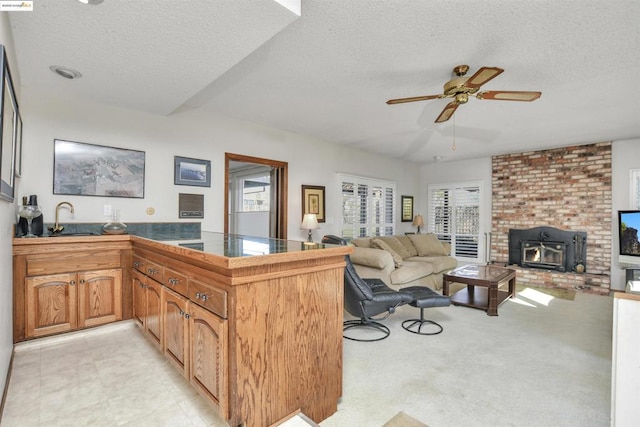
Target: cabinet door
x: 139, y: 299
x: 99, y: 297
x: 208, y: 371
x: 153, y: 321
x: 176, y: 330
x: 51, y: 304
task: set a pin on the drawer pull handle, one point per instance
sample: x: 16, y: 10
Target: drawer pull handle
x: 82, y: 281
x: 181, y: 313
x: 72, y: 283
x: 152, y: 270
x: 187, y: 315
x: 173, y: 281
x: 202, y: 296
x: 136, y: 264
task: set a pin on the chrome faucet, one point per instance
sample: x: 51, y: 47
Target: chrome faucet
x: 57, y: 228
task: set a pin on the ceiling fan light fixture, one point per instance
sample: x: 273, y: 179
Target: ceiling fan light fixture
x: 67, y: 73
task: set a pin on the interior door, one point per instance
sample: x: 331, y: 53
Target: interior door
x: 276, y: 223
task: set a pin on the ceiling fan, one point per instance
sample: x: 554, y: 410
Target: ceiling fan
x: 460, y: 87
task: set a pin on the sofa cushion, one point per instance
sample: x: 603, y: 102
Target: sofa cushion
x: 438, y: 263
x: 381, y: 244
x: 371, y: 257
x: 395, y: 244
x: 427, y: 244
x: 408, y: 245
x: 362, y: 242
x: 410, y: 271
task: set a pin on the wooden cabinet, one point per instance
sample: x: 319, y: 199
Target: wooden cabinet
x: 208, y: 365
x: 65, y: 283
x: 99, y: 297
x: 51, y: 304
x: 65, y: 302
x: 259, y: 337
x: 147, y: 306
x: 175, y: 311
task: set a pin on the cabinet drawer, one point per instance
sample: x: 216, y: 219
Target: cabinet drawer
x: 66, y: 262
x: 211, y: 298
x: 139, y: 264
x: 155, y: 271
x: 175, y: 281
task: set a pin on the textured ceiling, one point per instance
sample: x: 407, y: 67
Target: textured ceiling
x: 329, y: 72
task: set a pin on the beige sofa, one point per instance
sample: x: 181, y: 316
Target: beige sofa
x: 401, y: 261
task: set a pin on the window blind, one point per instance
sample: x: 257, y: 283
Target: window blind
x: 368, y: 207
x: 454, y: 216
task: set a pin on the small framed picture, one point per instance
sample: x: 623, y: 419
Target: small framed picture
x: 313, y: 201
x: 194, y: 172
x: 406, y: 208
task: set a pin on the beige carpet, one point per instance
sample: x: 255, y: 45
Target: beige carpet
x: 403, y: 420
x: 568, y: 294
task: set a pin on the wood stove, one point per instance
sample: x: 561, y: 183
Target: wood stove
x: 548, y: 248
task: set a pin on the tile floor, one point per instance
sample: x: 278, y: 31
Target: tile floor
x: 107, y: 376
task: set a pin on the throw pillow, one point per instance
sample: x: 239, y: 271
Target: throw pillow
x: 397, y: 259
x: 395, y: 244
x: 408, y: 245
x: 427, y: 244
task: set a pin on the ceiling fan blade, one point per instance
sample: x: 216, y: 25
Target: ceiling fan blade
x: 413, y: 99
x: 447, y: 112
x: 509, y: 95
x: 482, y: 76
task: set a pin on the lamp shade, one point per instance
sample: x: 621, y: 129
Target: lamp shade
x: 418, y: 221
x: 309, y: 222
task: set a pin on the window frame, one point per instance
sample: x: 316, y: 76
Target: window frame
x: 457, y: 239
x: 353, y: 226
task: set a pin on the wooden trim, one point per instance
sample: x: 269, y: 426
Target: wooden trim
x: 282, y: 188
x: 624, y: 295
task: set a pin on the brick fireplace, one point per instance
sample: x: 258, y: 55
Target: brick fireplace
x: 567, y: 188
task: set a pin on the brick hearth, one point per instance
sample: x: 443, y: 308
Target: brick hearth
x: 568, y: 188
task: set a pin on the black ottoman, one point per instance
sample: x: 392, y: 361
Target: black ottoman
x: 424, y: 297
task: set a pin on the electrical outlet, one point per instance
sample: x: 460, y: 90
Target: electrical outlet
x: 108, y: 210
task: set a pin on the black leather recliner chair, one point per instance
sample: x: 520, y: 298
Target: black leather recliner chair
x: 365, y: 298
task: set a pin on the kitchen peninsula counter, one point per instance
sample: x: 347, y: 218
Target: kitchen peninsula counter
x: 279, y: 311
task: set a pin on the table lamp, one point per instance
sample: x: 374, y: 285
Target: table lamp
x: 418, y: 222
x: 309, y: 222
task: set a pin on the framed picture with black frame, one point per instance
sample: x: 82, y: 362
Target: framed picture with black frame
x: 188, y: 171
x: 96, y: 170
x: 406, y: 207
x: 9, y: 117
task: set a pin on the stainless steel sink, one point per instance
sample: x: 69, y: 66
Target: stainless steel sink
x: 74, y: 234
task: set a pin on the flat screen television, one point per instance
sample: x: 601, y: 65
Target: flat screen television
x: 629, y: 229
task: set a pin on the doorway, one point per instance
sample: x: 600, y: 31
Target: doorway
x: 251, y: 185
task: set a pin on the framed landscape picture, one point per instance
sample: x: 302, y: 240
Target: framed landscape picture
x: 95, y: 170
x: 189, y: 171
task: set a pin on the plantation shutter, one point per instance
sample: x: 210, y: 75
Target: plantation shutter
x: 367, y: 207
x: 454, y: 216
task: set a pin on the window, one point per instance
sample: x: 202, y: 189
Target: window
x: 367, y: 207
x: 256, y: 193
x: 454, y: 216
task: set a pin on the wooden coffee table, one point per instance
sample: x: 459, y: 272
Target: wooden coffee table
x: 483, y: 286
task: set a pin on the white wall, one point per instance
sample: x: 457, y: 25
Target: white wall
x: 7, y: 218
x: 192, y: 133
x: 625, y: 156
